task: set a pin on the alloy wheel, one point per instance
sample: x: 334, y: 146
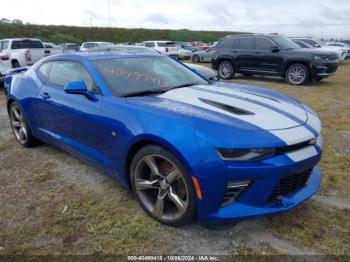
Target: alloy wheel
x: 18, y: 125
x: 161, y: 187
x: 225, y: 70
x: 297, y: 75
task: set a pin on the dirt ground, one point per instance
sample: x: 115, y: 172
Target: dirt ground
x: 51, y: 203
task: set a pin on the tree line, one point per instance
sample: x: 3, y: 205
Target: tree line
x: 75, y: 34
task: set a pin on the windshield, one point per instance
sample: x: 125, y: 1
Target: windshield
x: 312, y: 42
x: 284, y: 42
x: 137, y: 74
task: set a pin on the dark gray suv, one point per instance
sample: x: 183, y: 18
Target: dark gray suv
x: 272, y: 55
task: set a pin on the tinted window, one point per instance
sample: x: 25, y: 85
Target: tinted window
x: 246, y: 43
x: 168, y: 44
x: 301, y: 44
x: 284, y: 42
x: 63, y: 72
x: 72, y: 47
x: 229, y: 43
x: 263, y: 44
x: 90, y: 45
x: 129, y: 75
x: 149, y: 44
x: 45, y: 70
x: 24, y: 44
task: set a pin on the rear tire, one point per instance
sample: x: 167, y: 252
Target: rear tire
x: 20, y: 127
x: 297, y: 74
x: 15, y: 64
x: 226, y: 70
x: 195, y: 59
x: 162, y: 187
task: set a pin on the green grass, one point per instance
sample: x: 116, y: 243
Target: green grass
x: 323, y: 229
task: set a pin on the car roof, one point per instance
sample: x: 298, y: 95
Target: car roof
x: 20, y: 39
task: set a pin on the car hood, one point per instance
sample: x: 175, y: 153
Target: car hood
x: 250, y: 108
x: 315, y: 51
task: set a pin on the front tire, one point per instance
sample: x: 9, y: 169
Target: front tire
x: 20, y: 127
x: 297, y: 74
x: 226, y: 70
x: 162, y: 187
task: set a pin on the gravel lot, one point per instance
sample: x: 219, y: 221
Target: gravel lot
x: 51, y: 203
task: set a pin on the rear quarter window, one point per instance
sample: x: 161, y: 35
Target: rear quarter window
x: 44, y: 70
x: 229, y: 43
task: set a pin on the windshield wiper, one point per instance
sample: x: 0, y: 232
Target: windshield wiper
x: 184, y: 85
x: 157, y: 91
x: 145, y: 92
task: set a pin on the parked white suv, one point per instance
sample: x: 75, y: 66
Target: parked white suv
x: 165, y: 47
x: 314, y: 43
x: 19, y: 52
x: 89, y: 45
x: 342, y: 45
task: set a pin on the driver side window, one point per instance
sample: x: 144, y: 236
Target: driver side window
x: 263, y: 44
x: 63, y: 72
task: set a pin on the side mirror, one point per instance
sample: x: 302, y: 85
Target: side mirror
x: 75, y: 87
x: 275, y: 49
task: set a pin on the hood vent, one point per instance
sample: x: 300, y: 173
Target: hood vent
x: 231, y: 109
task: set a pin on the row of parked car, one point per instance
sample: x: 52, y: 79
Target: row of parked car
x: 297, y: 59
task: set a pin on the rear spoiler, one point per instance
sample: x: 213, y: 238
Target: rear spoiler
x: 11, y: 73
x: 18, y: 70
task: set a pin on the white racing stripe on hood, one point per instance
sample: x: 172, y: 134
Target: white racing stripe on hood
x: 263, y: 117
x: 294, y: 110
x: 303, y: 154
x: 314, y: 122
x: 294, y: 135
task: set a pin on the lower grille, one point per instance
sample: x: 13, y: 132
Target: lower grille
x: 332, y: 69
x: 233, y: 190
x: 289, y: 185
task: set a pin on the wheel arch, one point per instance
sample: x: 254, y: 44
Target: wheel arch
x: 299, y: 61
x: 144, y: 141
x: 9, y: 102
x: 13, y: 61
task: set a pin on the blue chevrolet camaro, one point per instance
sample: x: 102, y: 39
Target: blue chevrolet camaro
x: 186, y: 148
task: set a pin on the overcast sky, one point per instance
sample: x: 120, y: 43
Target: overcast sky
x: 291, y: 17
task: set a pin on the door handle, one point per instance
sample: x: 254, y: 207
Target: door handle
x: 45, y: 95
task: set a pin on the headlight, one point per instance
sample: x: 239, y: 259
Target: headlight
x: 318, y: 58
x: 245, y: 154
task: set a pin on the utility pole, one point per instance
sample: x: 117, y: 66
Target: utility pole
x: 109, y: 13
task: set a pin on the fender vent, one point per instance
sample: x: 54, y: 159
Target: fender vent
x: 231, y: 109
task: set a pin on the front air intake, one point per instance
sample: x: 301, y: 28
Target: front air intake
x: 289, y: 185
x: 233, y: 190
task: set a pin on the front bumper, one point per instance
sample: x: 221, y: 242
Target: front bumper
x: 324, y: 69
x: 253, y: 201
